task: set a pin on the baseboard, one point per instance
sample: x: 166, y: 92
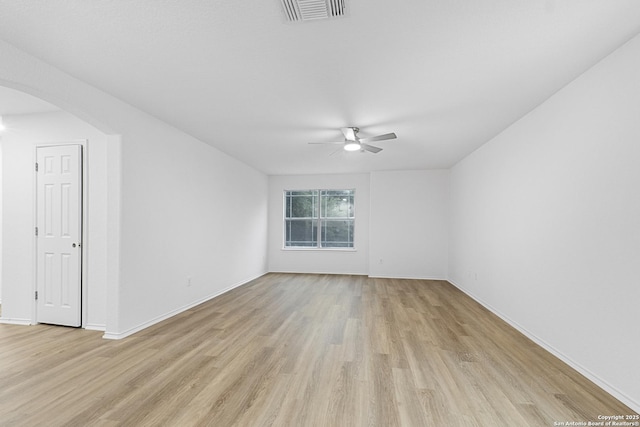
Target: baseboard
x: 131, y: 331
x: 27, y: 322
x: 317, y: 272
x: 357, y: 274
x: 95, y: 327
x: 622, y: 397
x: 9, y: 321
x: 376, y: 276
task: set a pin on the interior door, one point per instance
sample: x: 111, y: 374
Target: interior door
x: 59, y: 231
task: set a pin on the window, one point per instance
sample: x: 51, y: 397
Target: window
x: 319, y: 218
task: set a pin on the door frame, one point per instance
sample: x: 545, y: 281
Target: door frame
x: 83, y: 227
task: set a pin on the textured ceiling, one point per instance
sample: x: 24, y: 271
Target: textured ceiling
x: 445, y: 76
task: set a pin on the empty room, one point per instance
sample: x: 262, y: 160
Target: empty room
x: 319, y: 213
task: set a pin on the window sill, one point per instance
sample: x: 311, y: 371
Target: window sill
x: 305, y: 249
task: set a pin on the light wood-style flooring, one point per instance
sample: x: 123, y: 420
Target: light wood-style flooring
x: 299, y: 350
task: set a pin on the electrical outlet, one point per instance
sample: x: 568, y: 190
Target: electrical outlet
x: 188, y: 280
x: 380, y: 261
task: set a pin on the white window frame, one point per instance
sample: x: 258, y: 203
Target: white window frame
x: 319, y: 219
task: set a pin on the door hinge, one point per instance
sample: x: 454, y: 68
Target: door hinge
x: 36, y: 231
x: 36, y: 166
x: 36, y: 295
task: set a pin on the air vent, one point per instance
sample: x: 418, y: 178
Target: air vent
x: 307, y: 10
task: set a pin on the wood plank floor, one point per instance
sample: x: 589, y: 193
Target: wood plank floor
x: 299, y: 350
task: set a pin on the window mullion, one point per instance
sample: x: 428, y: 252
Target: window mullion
x: 319, y: 221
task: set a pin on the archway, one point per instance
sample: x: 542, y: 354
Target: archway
x: 32, y: 122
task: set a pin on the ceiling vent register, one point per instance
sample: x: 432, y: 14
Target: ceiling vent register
x: 307, y: 10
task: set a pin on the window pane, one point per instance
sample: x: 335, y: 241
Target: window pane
x: 337, y: 233
x: 337, y: 203
x: 301, y: 204
x: 301, y: 232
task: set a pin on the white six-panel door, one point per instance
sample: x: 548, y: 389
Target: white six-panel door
x: 59, y: 231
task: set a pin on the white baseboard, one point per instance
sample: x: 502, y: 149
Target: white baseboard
x: 317, y: 272
x: 631, y: 403
x: 95, y: 327
x: 9, y: 321
x: 342, y: 273
x: 120, y: 335
x: 405, y: 277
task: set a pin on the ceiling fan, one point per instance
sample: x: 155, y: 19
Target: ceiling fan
x: 354, y: 143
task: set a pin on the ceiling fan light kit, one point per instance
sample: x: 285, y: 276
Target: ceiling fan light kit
x: 352, y: 146
x: 354, y: 143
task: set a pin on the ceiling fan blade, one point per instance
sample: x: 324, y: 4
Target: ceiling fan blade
x: 349, y: 134
x: 379, y: 137
x: 337, y: 142
x: 371, y: 148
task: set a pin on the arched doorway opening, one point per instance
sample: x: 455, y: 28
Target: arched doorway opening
x: 31, y: 123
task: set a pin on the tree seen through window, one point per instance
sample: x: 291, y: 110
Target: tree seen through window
x: 319, y: 218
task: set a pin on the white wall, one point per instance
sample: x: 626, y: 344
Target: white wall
x: 409, y: 224
x: 545, y: 226
x: 23, y: 133
x: 1, y: 219
x: 189, y: 211
x: 177, y: 207
x: 319, y: 260
x: 401, y: 218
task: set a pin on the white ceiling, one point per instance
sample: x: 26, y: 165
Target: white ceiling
x: 444, y: 75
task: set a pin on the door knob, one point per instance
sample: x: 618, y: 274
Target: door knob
x: 73, y: 245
